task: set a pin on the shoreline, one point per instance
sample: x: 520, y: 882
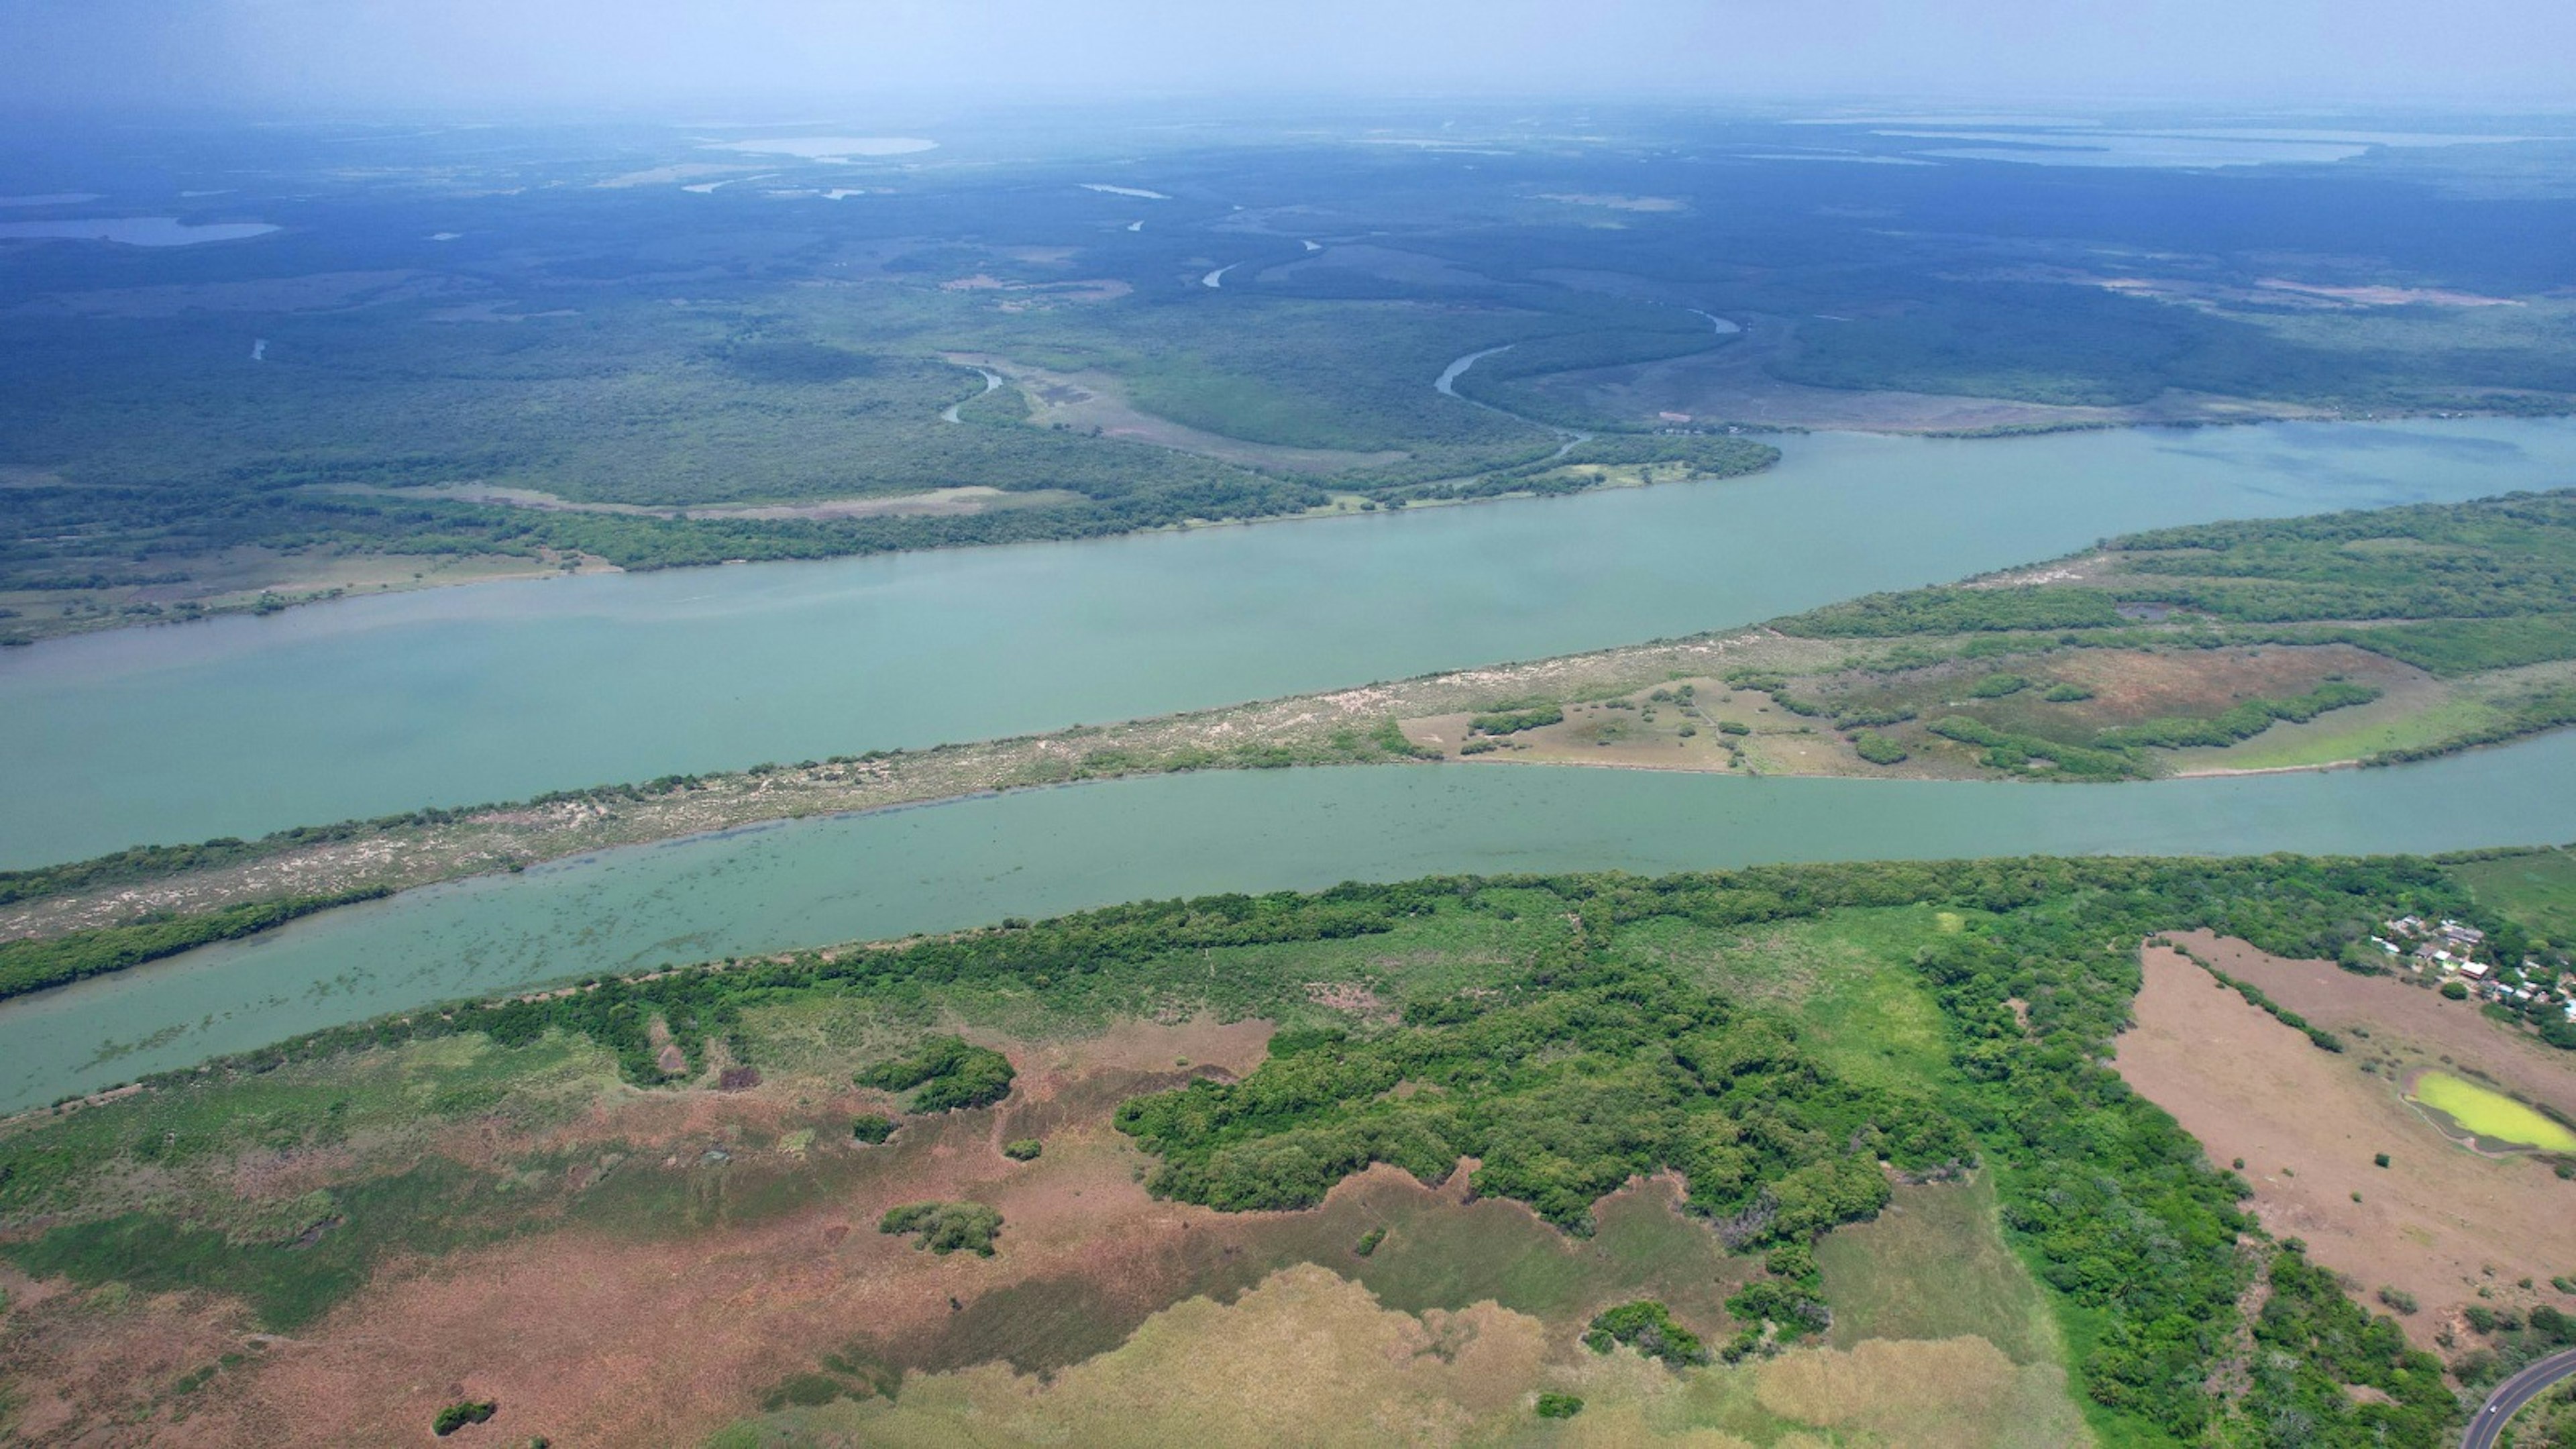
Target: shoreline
x: 1361, y: 725
x: 549, y: 569
x: 1342, y: 507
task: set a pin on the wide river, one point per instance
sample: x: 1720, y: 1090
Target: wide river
x: 455, y: 696
x: 1036, y: 853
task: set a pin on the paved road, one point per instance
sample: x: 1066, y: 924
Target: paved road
x: 2512, y: 1394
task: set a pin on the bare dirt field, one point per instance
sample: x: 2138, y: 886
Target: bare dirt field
x: 1094, y: 400
x: 2441, y: 1223
x: 2132, y: 685
x: 2402, y: 1023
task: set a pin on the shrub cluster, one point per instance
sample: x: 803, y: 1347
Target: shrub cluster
x: 945, y: 1227
x: 457, y: 1416
x: 951, y: 1073
x: 1649, y: 1328
x: 1566, y: 1082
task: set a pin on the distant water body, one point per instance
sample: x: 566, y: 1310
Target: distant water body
x: 134, y: 231
x: 1043, y: 852
x: 454, y: 696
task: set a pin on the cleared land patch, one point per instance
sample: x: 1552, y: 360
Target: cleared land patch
x: 1084, y: 401
x: 2401, y: 1022
x: 2439, y: 1223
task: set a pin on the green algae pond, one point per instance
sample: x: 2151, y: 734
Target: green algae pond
x: 2490, y: 1117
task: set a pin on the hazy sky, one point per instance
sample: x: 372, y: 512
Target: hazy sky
x: 517, y: 53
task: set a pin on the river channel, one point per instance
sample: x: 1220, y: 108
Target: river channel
x: 1036, y: 853
x: 455, y: 696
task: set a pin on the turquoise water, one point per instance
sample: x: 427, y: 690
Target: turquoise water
x: 1042, y: 852
x: 457, y: 696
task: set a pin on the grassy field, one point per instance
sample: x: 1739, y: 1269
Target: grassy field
x: 1935, y: 1267
x: 2538, y: 889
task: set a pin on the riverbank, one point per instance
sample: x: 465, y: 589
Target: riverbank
x: 2048, y: 673
x: 1347, y: 726
x: 1040, y: 853
x: 356, y: 711
x: 1614, y: 693
x: 262, y: 581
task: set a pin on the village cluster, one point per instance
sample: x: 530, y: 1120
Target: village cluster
x: 2452, y: 951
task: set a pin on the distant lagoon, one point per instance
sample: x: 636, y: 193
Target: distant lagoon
x: 134, y: 231
x: 826, y: 148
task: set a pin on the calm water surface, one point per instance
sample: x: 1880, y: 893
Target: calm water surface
x: 1038, y: 853
x: 135, y: 231
x: 456, y: 696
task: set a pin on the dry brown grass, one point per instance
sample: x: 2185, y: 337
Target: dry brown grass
x: 2439, y: 1222
x: 2132, y: 685
x: 97, y: 1367
x: 1952, y: 1393
x: 1305, y: 1358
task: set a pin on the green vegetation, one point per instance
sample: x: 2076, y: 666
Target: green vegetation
x: 2465, y: 587
x: 1368, y: 1244
x: 2536, y: 889
x: 950, y: 1073
x: 1512, y: 722
x: 1023, y: 1149
x: 1564, y: 1083
x: 871, y: 1128
x: 2243, y: 722
x: 2459, y: 590
x: 2005, y: 750
x: 1558, y: 1406
x: 1937, y: 1268
x: 1878, y: 749
x: 457, y: 1416
x: 945, y: 1227
x: 1647, y: 1327
x: 33, y: 965
x: 290, y: 1268
x: 1569, y: 1029
x: 2317, y: 1341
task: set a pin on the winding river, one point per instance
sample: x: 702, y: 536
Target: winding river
x: 453, y: 696
x: 1036, y: 853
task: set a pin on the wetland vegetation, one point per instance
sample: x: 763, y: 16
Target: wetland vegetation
x: 1794, y: 1047
x: 1881, y: 1152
